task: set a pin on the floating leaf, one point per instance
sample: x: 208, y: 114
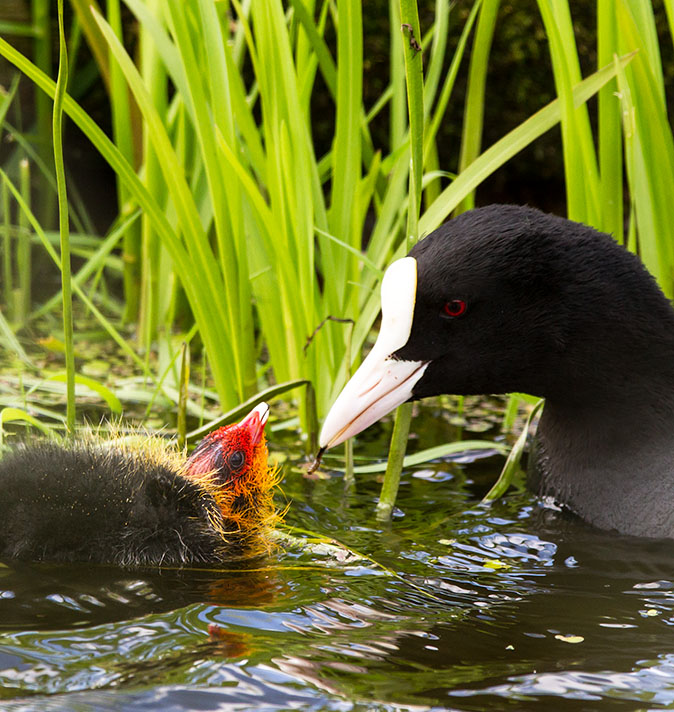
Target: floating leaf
x: 496, y: 564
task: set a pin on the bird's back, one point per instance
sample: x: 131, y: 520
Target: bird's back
x: 95, y: 503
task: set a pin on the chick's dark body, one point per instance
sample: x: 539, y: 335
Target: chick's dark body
x: 89, y: 503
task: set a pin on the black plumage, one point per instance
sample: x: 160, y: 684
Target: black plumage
x: 91, y: 503
x: 556, y: 309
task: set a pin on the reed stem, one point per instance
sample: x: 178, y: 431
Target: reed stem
x: 23, y: 252
x: 409, y: 16
x: 8, y: 277
x: 43, y: 59
x: 64, y: 228
x: 183, y: 394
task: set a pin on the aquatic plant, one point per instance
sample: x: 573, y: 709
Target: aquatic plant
x: 239, y: 211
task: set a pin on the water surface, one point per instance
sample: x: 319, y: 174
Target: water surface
x: 511, y: 607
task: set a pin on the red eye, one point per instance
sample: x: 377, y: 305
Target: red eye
x: 457, y: 307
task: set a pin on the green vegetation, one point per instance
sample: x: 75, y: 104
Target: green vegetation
x: 240, y: 228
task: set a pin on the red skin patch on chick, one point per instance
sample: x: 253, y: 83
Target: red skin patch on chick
x: 231, y: 463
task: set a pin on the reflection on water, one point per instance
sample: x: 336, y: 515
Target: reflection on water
x: 508, y: 607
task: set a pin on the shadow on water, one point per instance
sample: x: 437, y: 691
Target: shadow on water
x: 513, y: 606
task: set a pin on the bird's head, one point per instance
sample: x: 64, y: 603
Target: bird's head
x: 231, y: 463
x: 505, y: 299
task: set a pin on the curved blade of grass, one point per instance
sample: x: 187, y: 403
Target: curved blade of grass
x: 10, y: 341
x: 105, y: 393
x: 21, y: 403
x: 513, y: 142
x: 513, y: 462
x: 64, y: 223
x: 434, y: 453
x: 9, y: 415
x: 241, y: 410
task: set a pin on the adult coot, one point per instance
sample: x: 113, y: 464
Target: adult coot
x: 131, y: 506
x: 506, y: 298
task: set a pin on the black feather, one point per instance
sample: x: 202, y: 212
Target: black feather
x: 92, y: 503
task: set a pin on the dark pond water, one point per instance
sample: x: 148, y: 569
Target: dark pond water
x: 511, y: 607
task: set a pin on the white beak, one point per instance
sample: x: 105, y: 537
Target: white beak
x: 381, y: 383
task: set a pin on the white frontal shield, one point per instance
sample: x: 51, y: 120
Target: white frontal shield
x: 381, y: 383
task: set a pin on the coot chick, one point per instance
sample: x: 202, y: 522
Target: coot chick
x: 506, y: 298
x: 106, y: 503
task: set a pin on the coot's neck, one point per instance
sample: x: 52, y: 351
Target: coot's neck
x: 609, y: 457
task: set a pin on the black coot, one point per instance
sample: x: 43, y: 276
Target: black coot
x: 506, y: 298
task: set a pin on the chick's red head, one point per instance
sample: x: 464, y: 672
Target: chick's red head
x: 232, y: 452
x: 231, y: 464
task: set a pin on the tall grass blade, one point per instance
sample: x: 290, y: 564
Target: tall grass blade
x: 580, y: 164
x: 609, y: 126
x: 649, y: 145
x: 183, y: 394
x: 41, y: 18
x: 513, y: 142
x: 473, y: 115
x: 64, y: 227
x: 409, y: 15
x: 95, y: 40
x: 512, y: 463
x: 346, y: 151
x: 7, y: 258
x: 23, y: 252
